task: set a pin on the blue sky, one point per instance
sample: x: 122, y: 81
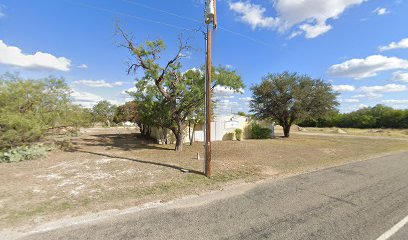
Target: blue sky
x: 360, y: 46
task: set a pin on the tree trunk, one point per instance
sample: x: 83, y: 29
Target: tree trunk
x: 192, y: 135
x: 179, y: 140
x: 149, y: 131
x: 189, y: 133
x: 142, y: 130
x: 166, y: 140
x: 286, y: 130
x: 178, y: 133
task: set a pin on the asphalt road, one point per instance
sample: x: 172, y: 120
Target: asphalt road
x: 357, y: 201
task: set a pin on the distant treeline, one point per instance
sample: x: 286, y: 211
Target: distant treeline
x: 379, y: 116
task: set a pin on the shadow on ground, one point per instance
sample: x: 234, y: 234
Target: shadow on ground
x: 145, y: 162
x: 124, y: 142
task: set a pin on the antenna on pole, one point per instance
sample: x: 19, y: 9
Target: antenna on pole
x: 210, y: 17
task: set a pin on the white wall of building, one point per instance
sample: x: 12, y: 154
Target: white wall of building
x: 222, y: 129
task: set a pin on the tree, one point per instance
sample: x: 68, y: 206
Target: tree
x: 127, y: 112
x: 290, y: 97
x: 242, y: 114
x: 169, y: 97
x: 29, y: 108
x: 104, y: 112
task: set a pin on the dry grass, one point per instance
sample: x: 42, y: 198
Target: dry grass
x: 396, y: 133
x: 115, y: 168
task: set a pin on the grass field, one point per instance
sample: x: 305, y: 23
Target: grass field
x: 115, y: 169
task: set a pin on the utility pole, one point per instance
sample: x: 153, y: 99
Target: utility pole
x: 210, y: 18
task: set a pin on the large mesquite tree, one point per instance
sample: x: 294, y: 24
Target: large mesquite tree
x: 291, y: 97
x: 168, y: 97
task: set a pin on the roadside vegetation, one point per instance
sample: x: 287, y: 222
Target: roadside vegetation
x: 379, y: 116
x: 31, y: 108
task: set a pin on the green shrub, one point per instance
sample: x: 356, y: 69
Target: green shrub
x: 228, y: 136
x: 259, y: 132
x: 31, y: 108
x: 17, y: 129
x: 238, y: 134
x: 19, y: 154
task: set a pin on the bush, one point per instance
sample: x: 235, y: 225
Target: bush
x: 259, y: 132
x: 228, y: 136
x: 30, y: 108
x: 17, y: 129
x: 19, y: 154
x: 238, y: 134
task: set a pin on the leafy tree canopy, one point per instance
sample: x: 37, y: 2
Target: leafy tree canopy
x: 167, y: 96
x: 29, y: 108
x: 290, y: 97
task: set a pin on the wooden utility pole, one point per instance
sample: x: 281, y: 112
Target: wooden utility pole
x: 208, y: 104
x: 210, y: 18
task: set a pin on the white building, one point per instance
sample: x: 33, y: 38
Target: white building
x: 222, y: 129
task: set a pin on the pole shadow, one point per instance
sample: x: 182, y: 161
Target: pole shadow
x: 145, y: 162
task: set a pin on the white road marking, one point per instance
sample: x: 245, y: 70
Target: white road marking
x: 394, y: 229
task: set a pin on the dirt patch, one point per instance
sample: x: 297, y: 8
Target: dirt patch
x: 117, y: 169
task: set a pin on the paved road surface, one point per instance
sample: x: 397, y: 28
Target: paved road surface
x: 357, y: 201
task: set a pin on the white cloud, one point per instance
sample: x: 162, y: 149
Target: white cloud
x: 216, y: 97
x: 368, y: 95
x: 83, y: 66
x: 311, y: 16
x: 98, y: 83
x: 88, y: 100
x: 85, y: 99
x: 294, y: 34
x: 384, y: 89
x: 315, y: 30
x: 2, y: 10
x: 395, y: 45
x: 253, y: 14
x: 186, y: 54
x: 360, y: 106
x: 368, y: 67
x: 400, y: 76
x: 352, y: 108
x: 223, y: 91
x: 343, y: 88
x: 396, y: 103
x: 381, y: 11
x: 13, y: 56
x: 351, y: 100
x: 130, y: 90
x: 246, y: 99
x: 393, y: 101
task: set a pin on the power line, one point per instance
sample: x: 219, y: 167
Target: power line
x: 244, y: 36
x: 162, y: 11
x: 129, y: 15
x: 195, y: 20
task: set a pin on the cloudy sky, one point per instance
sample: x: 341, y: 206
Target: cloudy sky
x: 360, y: 46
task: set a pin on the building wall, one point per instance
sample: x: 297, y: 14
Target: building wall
x: 222, y: 129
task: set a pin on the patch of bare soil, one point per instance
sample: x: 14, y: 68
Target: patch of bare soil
x: 116, y: 168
